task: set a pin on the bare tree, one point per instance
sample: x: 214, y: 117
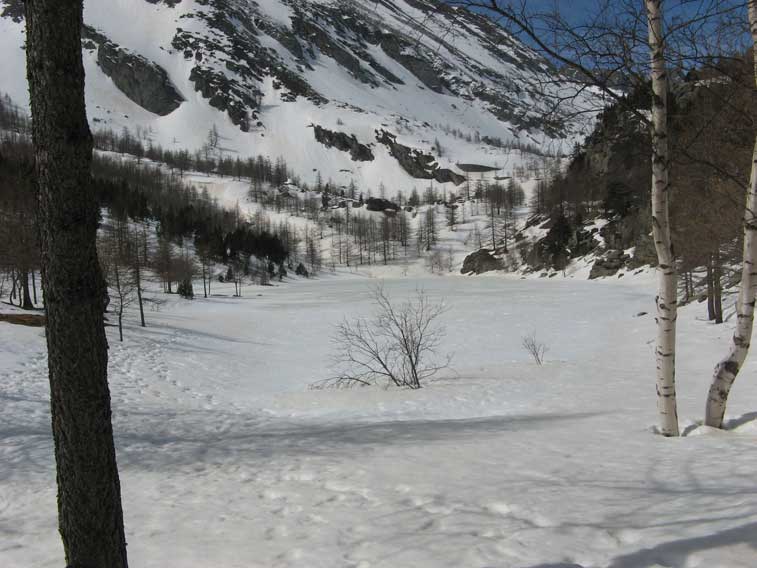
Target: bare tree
x: 115, y: 255
x: 138, y: 259
x: 535, y: 348
x: 396, y: 347
x: 435, y: 262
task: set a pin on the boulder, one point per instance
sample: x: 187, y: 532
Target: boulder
x: 609, y: 264
x: 379, y: 204
x: 480, y: 262
x: 444, y: 175
x: 143, y: 81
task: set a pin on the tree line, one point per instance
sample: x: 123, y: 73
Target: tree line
x: 191, y: 231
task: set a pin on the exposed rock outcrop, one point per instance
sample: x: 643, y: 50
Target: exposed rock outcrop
x: 143, y: 81
x: 402, y: 51
x: 345, y: 142
x: 378, y: 204
x: 480, y: 262
x: 224, y: 95
x: 13, y: 9
x: 609, y: 264
x: 415, y: 162
x: 444, y: 175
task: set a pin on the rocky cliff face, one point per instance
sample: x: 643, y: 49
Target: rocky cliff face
x: 143, y: 81
x: 344, y: 142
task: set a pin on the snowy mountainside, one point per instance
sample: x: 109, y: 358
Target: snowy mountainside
x: 391, y: 78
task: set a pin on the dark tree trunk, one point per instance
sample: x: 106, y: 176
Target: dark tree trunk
x: 12, y: 295
x: 204, y: 286
x: 138, y: 274
x: 718, y: 286
x: 121, y: 324
x: 26, y: 298
x: 90, y: 518
x: 34, y: 287
x: 710, y: 290
x: 120, y: 293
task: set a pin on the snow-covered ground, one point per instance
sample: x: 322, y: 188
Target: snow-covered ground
x: 227, y: 459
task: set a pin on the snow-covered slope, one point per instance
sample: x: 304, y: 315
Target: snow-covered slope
x: 265, y: 73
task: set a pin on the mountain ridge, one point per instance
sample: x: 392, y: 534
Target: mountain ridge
x: 443, y: 82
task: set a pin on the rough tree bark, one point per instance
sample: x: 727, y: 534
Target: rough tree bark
x: 667, y: 293
x: 89, y: 500
x: 728, y: 368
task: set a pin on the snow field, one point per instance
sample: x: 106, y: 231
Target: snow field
x: 228, y: 460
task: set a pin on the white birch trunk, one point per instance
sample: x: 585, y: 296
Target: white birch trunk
x: 727, y: 369
x: 667, y: 293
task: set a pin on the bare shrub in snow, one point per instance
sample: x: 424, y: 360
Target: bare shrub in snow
x: 435, y: 262
x: 397, y: 346
x: 534, y: 347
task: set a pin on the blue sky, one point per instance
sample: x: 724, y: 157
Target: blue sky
x: 581, y: 8
x: 581, y: 11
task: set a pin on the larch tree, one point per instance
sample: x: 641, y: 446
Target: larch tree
x: 90, y: 515
x: 116, y: 253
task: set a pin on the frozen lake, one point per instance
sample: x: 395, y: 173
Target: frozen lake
x: 228, y: 460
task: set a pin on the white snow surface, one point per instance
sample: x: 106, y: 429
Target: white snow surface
x: 227, y: 459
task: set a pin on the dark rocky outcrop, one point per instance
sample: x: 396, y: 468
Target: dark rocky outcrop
x: 143, y: 81
x: 345, y: 142
x: 415, y: 162
x: 224, y: 94
x: 402, y: 51
x: 302, y: 271
x: 565, y: 240
x: 444, y: 175
x: 323, y: 41
x: 379, y: 204
x: 13, y: 9
x: 480, y: 262
x: 412, y: 160
x: 234, y: 42
x: 169, y: 3
x: 609, y: 264
x: 631, y: 231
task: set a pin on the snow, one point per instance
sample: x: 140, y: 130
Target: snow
x: 227, y: 459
